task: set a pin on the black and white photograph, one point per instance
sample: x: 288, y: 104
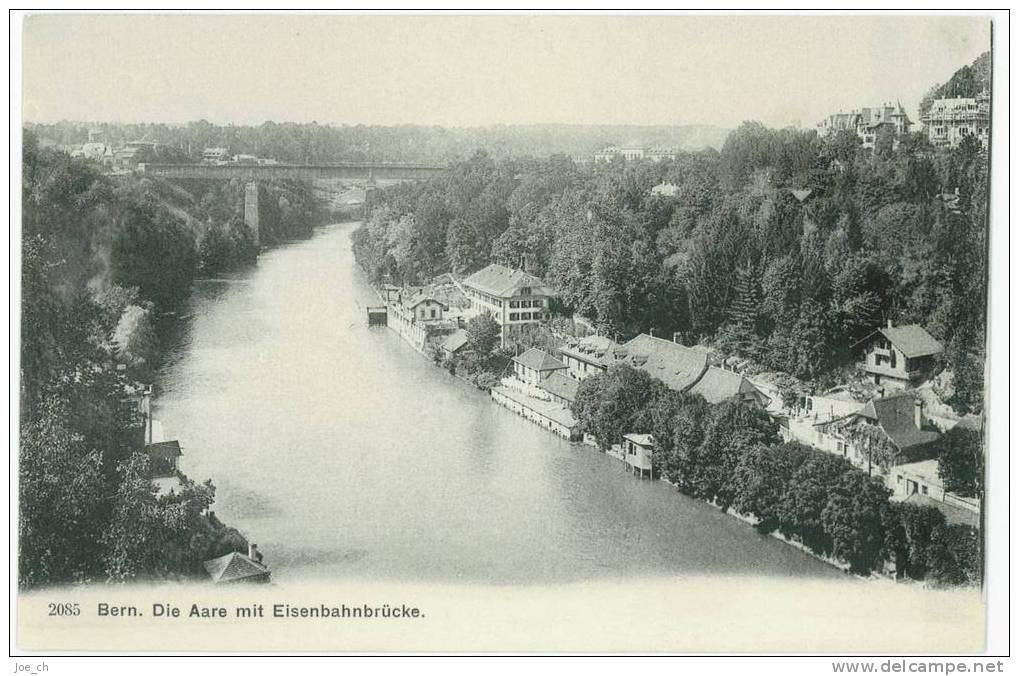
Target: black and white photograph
x: 515, y: 333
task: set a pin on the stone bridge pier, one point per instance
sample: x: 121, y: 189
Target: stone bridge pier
x: 251, y: 194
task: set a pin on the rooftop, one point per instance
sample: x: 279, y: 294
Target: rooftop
x: 455, y: 341
x: 234, y: 567
x: 895, y: 414
x: 502, y: 282
x: 560, y: 385
x: 718, y: 385
x: 552, y: 411
x: 912, y: 340
x: 677, y: 366
x: 163, y: 450
x: 539, y: 360
x: 594, y: 349
x: 422, y: 297
x: 640, y: 439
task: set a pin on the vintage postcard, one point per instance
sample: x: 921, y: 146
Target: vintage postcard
x: 517, y: 333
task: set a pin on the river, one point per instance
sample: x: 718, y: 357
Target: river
x: 345, y: 454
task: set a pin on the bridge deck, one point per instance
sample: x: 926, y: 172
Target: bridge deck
x: 306, y: 172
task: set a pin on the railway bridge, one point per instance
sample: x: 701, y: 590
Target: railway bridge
x: 370, y: 173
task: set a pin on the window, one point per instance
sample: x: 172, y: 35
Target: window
x: 514, y: 316
x: 525, y: 291
x: 525, y: 303
x: 924, y: 489
x: 514, y: 303
x: 893, y: 358
x: 433, y: 313
x: 526, y: 316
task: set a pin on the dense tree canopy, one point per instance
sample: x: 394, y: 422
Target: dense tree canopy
x: 786, y: 248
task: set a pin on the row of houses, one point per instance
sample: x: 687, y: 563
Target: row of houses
x: 886, y: 433
x: 946, y: 123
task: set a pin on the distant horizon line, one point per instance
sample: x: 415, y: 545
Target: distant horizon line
x: 402, y: 124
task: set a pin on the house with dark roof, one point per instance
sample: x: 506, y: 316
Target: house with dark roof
x: 899, y: 356
x: 719, y: 385
x: 454, y: 343
x: 162, y: 458
x: 676, y: 365
x: 514, y: 298
x: 886, y: 432
x: 534, y: 364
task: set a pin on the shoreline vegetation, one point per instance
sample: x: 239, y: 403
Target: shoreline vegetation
x: 107, y: 266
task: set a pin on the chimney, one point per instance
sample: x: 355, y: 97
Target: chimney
x: 890, y: 324
x: 651, y: 332
x: 253, y: 553
x: 918, y: 414
x: 675, y: 337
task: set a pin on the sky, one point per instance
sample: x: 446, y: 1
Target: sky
x: 482, y: 70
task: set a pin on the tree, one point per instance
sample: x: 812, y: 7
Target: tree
x: 953, y: 557
x: 149, y: 536
x: 802, y: 506
x: 732, y: 431
x: 483, y: 334
x: 761, y: 479
x: 61, y: 491
x: 961, y: 461
x: 908, y: 531
x: 134, y: 337
x: 688, y: 428
x: 854, y: 520
x: 743, y: 331
x: 614, y: 404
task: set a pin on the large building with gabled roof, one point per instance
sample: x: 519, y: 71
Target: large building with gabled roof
x: 514, y: 298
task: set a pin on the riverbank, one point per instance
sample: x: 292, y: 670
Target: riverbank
x: 842, y: 487
x: 505, y: 398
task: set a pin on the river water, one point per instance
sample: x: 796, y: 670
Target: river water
x: 345, y: 454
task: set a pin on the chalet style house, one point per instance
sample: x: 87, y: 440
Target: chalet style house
x: 899, y: 356
x: 513, y: 298
x: 886, y: 432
